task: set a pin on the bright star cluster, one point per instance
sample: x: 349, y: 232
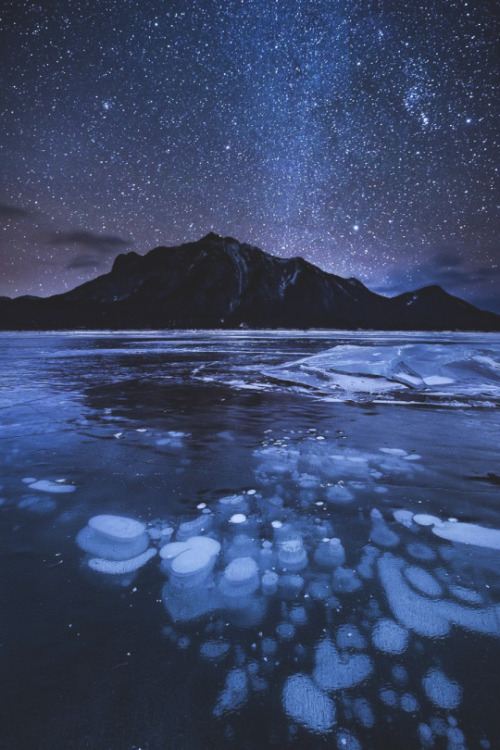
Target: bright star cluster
x: 360, y: 134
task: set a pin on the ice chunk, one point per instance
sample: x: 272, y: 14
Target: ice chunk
x: 307, y: 705
x: 442, y: 691
x: 234, y: 693
x: 334, y: 671
x: 43, y: 485
x: 389, y: 637
x: 120, y: 567
x: 423, y: 581
x: 467, y: 533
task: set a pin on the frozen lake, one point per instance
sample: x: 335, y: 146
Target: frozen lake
x: 243, y: 540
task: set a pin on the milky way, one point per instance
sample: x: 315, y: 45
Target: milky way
x: 362, y: 135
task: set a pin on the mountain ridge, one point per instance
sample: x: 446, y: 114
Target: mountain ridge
x: 218, y: 282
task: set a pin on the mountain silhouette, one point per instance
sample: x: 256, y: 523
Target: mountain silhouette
x: 218, y: 282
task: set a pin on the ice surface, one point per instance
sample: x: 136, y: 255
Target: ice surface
x: 121, y: 567
x: 307, y: 705
x: 442, y: 691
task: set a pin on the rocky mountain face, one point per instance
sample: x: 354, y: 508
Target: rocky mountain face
x: 220, y: 283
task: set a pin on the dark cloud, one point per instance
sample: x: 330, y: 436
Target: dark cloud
x: 8, y: 211
x: 100, y: 243
x: 85, y: 260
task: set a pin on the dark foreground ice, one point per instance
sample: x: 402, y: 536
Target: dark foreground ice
x: 218, y: 540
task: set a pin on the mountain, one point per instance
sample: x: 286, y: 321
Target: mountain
x: 220, y: 283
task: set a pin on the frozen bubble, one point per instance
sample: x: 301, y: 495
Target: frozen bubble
x: 117, y: 528
x: 291, y: 554
x: 238, y: 518
x: 298, y: 616
x: 269, y: 582
x: 285, y: 631
x: 365, y: 567
x: 28, y: 480
x: 348, y: 636
x: 423, y: 581
x: 269, y: 646
x: 409, y: 703
x: 363, y: 712
x: 389, y: 697
x: 467, y: 533
x: 431, y: 617
x: 276, y: 524
x: 338, y: 494
x: 347, y: 741
x: 424, y: 519
x: 399, y: 674
x: 425, y: 735
x: 380, y: 533
x: 329, y: 553
x: 43, y: 485
x: 193, y: 528
x: 242, y: 546
x: 38, y: 505
x: 390, y: 637
x: 184, y: 605
x: 336, y: 672
x: 413, y: 457
x: 307, y: 705
x: 456, y: 738
x: 442, y: 691
x: 113, y: 537
x: 466, y: 595
x: 234, y: 693
x: 214, y: 650
x: 201, y: 506
x: 240, y: 578
x: 394, y: 451
x: 120, y: 567
x: 344, y: 580
x: 290, y: 586
x: 319, y: 590
x: 191, y: 568
x: 404, y: 517
x: 421, y: 551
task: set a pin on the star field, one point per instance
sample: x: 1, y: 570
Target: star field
x: 360, y: 134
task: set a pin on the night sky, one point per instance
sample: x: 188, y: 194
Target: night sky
x: 360, y: 134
